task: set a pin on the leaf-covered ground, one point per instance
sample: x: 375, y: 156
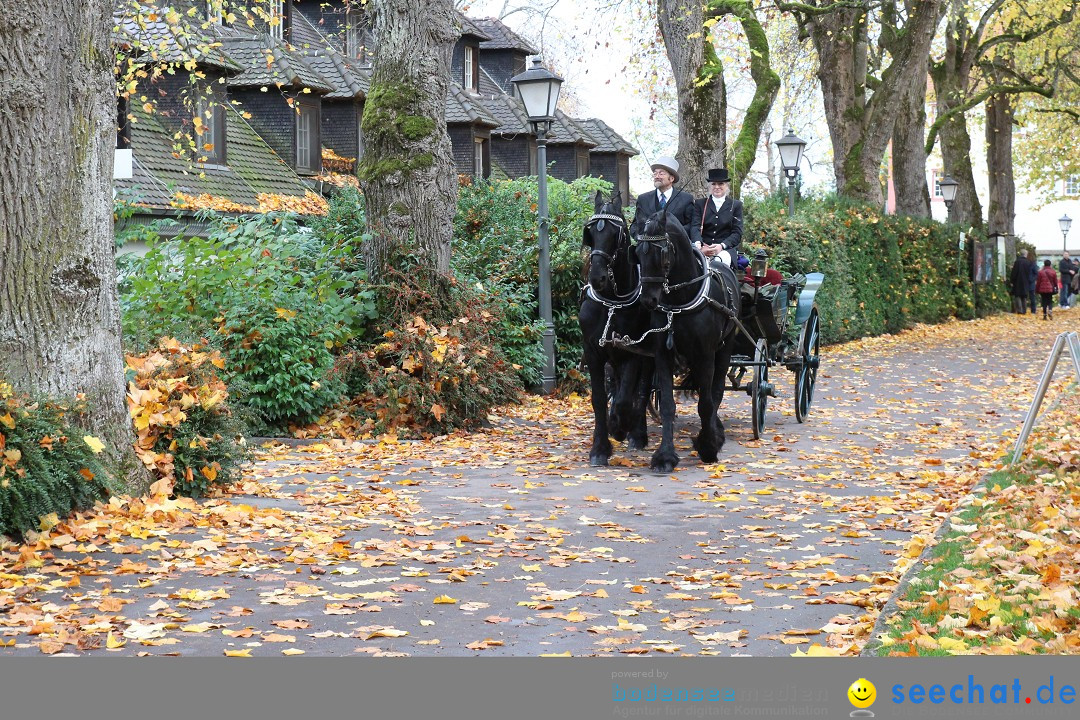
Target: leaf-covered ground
x: 503, y: 542
x: 1003, y: 578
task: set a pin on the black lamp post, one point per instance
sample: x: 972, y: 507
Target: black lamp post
x: 1064, y: 222
x: 790, y: 148
x: 539, y: 92
x: 948, y: 191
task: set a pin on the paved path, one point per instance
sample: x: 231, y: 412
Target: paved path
x: 503, y: 543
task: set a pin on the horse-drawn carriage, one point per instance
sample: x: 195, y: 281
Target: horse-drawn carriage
x: 780, y: 326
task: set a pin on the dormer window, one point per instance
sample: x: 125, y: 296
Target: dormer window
x: 209, y: 131
x: 276, y: 22
x: 308, y: 152
x: 356, y: 35
x: 472, y: 69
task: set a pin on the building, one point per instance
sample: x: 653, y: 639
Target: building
x: 277, y: 110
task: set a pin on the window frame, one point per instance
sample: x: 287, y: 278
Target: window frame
x: 279, y: 9
x: 314, y: 164
x: 214, y: 14
x: 935, y: 186
x: 1070, y: 185
x: 471, y: 81
x: 209, y: 103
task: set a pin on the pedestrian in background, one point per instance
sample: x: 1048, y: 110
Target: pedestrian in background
x: 1019, y: 283
x: 1067, y: 271
x: 1046, y: 285
x: 1033, y: 277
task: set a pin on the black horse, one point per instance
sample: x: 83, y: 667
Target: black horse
x: 609, y: 310
x: 696, y: 312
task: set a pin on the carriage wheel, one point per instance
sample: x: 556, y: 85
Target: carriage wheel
x: 810, y: 348
x: 759, y: 388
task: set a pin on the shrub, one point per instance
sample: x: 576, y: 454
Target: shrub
x: 437, y: 365
x: 275, y: 298
x: 184, y: 428
x: 46, y: 465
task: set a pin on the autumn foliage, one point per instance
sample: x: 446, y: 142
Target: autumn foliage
x: 185, y: 433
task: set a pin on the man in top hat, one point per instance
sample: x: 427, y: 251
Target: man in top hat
x: 678, y: 203
x: 719, y: 218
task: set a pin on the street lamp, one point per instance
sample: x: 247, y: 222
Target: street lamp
x: 1064, y: 222
x: 790, y: 148
x: 948, y: 191
x: 539, y: 92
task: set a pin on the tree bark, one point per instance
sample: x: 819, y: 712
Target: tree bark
x: 908, y: 151
x: 999, y: 161
x: 59, y: 314
x: 766, y: 86
x: 407, y: 173
x: 860, y: 118
x: 699, y: 81
x: 951, y: 80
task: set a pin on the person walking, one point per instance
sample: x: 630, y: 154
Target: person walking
x: 1066, y: 270
x: 1033, y: 277
x: 1019, y: 283
x: 1046, y: 285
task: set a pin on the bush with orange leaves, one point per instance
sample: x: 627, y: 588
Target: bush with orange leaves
x: 185, y: 431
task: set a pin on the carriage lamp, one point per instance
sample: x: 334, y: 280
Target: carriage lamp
x: 760, y: 264
x: 1064, y: 222
x: 538, y: 89
x: 790, y: 148
x: 948, y: 191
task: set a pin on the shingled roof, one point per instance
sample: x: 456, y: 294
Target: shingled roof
x: 606, y: 138
x: 268, y: 61
x: 469, y: 27
x: 158, y: 41
x: 502, y: 37
x: 253, y: 166
x: 465, y: 108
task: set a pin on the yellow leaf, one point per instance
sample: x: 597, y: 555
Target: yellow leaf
x: 285, y: 313
x: 387, y: 633
x: 246, y: 652
x: 113, y: 643
x: 8, y: 421
x: 210, y: 473
x: 562, y: 654
x: 953, y: 645
x: 292, y: 651
x: 96, y: 445
x: 444, y: 600
x: 817, y: 651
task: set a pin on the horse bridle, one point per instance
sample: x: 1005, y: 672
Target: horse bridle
x: 598, y: 220
x: 667, y: 249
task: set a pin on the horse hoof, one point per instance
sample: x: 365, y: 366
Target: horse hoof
x: 619, y: 435
x: 708, y: 457
x: 637, y: 444
x: 598, y: 460
x: 664, y: 463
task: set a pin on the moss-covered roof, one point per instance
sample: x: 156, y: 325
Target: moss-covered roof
x: 252, y: 166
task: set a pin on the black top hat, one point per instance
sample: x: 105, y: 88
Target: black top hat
x: 718, y: 175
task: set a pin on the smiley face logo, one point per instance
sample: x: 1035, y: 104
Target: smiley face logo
x: 862, y: 693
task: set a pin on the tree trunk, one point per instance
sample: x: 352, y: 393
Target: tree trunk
x: 950, y: 83
x: 999, y: 162
x: 699, y: 81
x: 860, y: 128
x: 909, y: 153
x: 766, y: 86
x: 59, y: 314
x: 407, y: 173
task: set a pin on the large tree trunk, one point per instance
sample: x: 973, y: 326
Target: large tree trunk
x: 860, y: 126
x: 950, y: 85
x: 407, y: 173
x: 909, y: 153
x: 999, y: 162
x: 766, y: 86
x: 699, y: 80
x: 59, y: 315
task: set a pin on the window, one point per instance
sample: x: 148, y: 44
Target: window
x: 1072, y: 185
x: 356, y: 35
x: 210, y: 130
x: 123, y: 126
x: 582, y: 162
x: 308, y: 156
x: 937, y: 185
x: 359, y: 133
x: 470, y: 68
x: 478, y: 158
x: 276, y: 9
x: 213, y: 11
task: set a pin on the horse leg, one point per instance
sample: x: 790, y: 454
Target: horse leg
x: 705, y: 381
x: 601, y: 445
x: 639, y: 431
x: 723, y: 364
x: 665, y: 459
x: 616, y: 416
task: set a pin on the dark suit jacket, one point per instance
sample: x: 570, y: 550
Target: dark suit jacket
x: 724, y: 226
x: 681, y: 205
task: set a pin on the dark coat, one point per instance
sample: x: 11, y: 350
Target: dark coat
x: 1067, y: 269
x: 681, y: 205
x: 1020, y: 277
x: 1033, y: 276
x: 723, y: 226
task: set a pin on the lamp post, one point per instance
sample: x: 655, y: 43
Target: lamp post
x: 539, y: 92
x: 948, y: 191
x: 790, y: 148
x: 1064, y: 222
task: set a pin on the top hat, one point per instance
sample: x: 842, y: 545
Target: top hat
x: 718, y: 175
x: 669, y: 164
